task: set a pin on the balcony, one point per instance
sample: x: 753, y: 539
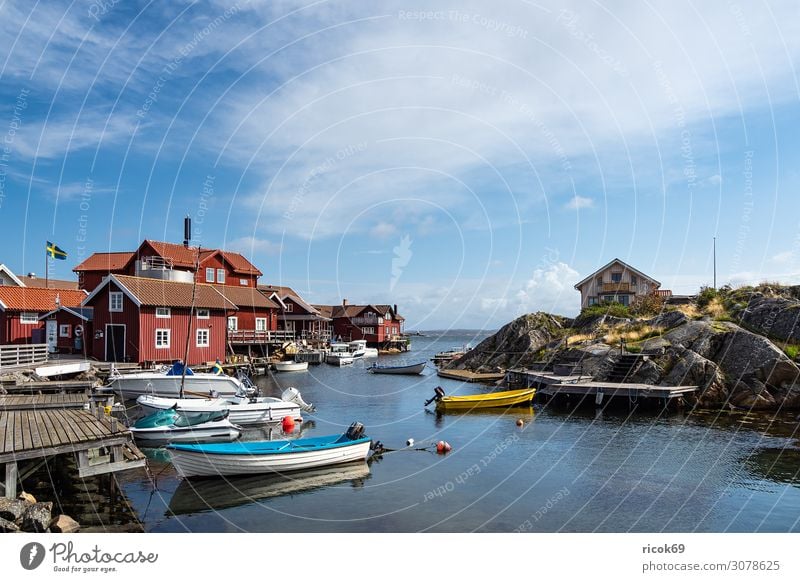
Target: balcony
x: 251, y: 336
x: 366, y: 321
x: 616, y: 288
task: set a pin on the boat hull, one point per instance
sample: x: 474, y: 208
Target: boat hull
x: 492, y: 400
x: 202, y: 462
x: 262, y: 411
x: 336, y: 360
x: 411, y: 370
x: 222, y: 431
x: 291, y: 366
x: 130, y: 386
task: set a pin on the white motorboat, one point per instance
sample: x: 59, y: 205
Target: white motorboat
x: 241, y: 410
x: 259, y: 457
x: 340, y: 355
x: 359, y: 349
x: 167, y: 383
x: 172, y: 426
x: 291, y: 366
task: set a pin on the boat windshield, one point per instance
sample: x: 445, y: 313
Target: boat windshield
x: 193, y: 419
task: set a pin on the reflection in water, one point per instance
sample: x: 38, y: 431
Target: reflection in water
x: 211, y: 494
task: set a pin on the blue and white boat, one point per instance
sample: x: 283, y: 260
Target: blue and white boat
x: 259, y: 457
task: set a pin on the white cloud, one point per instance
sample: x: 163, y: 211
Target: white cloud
x: 251, y: 246
x: 383, y: 230
x: 550, y: 289
x: 579, y: 202
x: 784, y: 257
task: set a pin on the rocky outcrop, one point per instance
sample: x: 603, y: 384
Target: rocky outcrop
x: 11, y: 509
x: 515, y: 344
x: 775, y: 317
x: 64, y: 524
x: 37, y: 516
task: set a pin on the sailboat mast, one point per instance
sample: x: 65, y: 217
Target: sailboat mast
x: 187, y: 232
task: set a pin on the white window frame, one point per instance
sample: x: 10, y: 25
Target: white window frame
x: 112, y: 297
x: 368, y: 330
x: 64, y: 330
x: 203, y: 314
x: 289, y: 307
x: 209, y: 274
x: 243, y: 282
x: 164, y: 314
x: 168, y: 333
x: 261, y: 324
x: 220, y: 275
x: 29, y: 318
x: 235, y: 321
x: 203, y: 331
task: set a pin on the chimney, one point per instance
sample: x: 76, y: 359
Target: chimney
x: 344, y: 302
x: 187, y: 231
x: 32, y: 275
x: 395, y: 308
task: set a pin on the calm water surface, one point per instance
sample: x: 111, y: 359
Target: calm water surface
x: 563, y: 471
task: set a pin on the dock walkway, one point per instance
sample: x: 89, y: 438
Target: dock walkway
x: 632, y: 391
x: 36, y: 427
x: 468, y: 376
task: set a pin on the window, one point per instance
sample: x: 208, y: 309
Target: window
x: 220, y: 275
x: 387, y: 332
x: 368, y: 330
x: 634, y: 280
x: 261, y: 324
x: 203, y: 314
x: 28, y: 318
x: 209, y: 275
x: 162, y: 338
x: 599, y: 280
x: 115, y: 301
x: 202, y: 338
x: 388, y: 316
x: 64, y: 330
x: 243, y: 282
x: 163, y: 312
x: 616, y: 277
x: 233, y: 323
x: 289, y: 307
x: 592, y: 300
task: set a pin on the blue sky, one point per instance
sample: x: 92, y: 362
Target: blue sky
x: 469, y: 163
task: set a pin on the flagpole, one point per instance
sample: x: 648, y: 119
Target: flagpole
x: 715, y: 263
x: 46, y: 267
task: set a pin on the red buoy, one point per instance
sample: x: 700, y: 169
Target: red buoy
x: 443, y: 447
x: 520, y: 422
x: 287, y: 424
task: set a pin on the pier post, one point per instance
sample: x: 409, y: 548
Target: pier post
x: 10, y: 484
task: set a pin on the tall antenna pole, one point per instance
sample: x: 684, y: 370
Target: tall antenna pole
x: 715, y: 262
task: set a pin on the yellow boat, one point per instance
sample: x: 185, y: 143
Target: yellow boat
x: 491, y: 400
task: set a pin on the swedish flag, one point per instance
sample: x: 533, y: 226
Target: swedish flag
x: 55, y: 252
x: 217, y: 368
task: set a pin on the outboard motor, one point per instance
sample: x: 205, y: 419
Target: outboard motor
x: 438, y: 394
x: 293, y: 395
x: 356, y: 431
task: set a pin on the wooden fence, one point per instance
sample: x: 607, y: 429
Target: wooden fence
x: 22, y: 354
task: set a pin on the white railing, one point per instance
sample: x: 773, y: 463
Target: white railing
x: 21, y: 354
x: 251, y: 336
x: 373, y: 321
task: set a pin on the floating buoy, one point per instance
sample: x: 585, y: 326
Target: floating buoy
x: 520, y: 422
x: 410, y: 443
x: 443, y: 447
x: 287, y: 424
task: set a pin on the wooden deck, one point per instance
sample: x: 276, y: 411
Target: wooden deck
x: 468, y: 376
x: 41, y: 401
x: 81, y: 386
x: 29, y: 432
x: 630, y: 391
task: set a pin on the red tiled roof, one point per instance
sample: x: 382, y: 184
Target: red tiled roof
x: 38, y: 283
x: 244, y: 297
x: 349, y: 311
x: 159, y: 293
x: 180, y: 255
x: 105, y: 262
x: 38, y: 299
x: 239, y: 264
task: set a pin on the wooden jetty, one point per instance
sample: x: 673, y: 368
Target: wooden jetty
x: 34, y: 428
x: 310, y: 356
x: 631, y: 391
x: 469, y: 376
x: 51, y: 386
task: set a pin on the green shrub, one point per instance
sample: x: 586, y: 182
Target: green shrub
x: 706, y: 296
x: 613, y: 309
x: 650, y: 304
x: 792, y: 350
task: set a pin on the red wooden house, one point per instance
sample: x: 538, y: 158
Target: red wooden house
x: 256, y: 320
x: 66, y: 329
x: 380, y: 325
x: 298, y: 317
x: 216, y: 267
x: 146, y: 320
x: 22, y: 308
